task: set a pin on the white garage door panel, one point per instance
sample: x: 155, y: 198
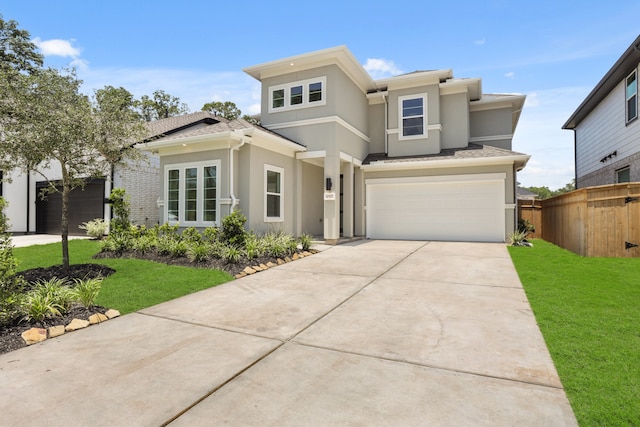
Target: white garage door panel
x: 466, y: 211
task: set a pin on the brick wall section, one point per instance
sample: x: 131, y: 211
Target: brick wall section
x: 142, y: 183
x: 607, y: 174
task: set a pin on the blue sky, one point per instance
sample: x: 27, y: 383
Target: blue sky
x: 554, y: 52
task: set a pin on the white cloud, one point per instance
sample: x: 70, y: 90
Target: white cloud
x: 63, y: 49
x: 510, y: 75
x: 381, y: 68
x: 480, y: 42
x: 57, y: 47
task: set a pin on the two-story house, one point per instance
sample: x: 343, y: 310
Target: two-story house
x: 418, y: 156
x: 606, y: 126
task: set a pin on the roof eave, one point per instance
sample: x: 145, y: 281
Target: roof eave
x: 520, y: 161
x: 620, y: 70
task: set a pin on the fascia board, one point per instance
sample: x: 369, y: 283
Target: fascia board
x: 520, y: 161
x: 180, y: 142
x: 405, y: 81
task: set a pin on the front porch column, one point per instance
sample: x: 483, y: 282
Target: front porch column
x: 347, y: 200
x: 359, y: 197
x: 332, y: 199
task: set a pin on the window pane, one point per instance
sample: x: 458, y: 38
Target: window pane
x: 413, y: 126
x: 412, y: 107
x: 173, y: 186
x: 209, y: 190
x: 315, y: 92
x: 632, y: 108
x: 296, y: 95
x: 273, y: 205
x: 190, y: 193
x: 631, y: 85
x: 278, y: 98
x: 273, y: 182
x: 623, y: 175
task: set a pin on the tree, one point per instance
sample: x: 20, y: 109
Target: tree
x: 161, y: 106
x: 17, y: 52
x: 226, y: 109
x: 55, y: 130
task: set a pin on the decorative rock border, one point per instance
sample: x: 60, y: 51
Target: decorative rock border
x: 253, y: 269
x: 36, y: 335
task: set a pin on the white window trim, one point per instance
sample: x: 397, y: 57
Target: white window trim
x: 281, y: 172
x: 305, y: 94
x: 199, y: 222
x: 626, y: 98
x: 425, y: 127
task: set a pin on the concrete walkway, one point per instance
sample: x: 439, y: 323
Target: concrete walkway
x: 367, y: 333
x: 22, y: 240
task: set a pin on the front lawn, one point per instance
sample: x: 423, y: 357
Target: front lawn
x: 588, y: 310
x: 135, y: 285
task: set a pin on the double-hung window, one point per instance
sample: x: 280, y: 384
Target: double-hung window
x: 412, y: 118
x: 631, y: 95
x: 192, y: 193
x: 300, y: 94
x: 273, y: 194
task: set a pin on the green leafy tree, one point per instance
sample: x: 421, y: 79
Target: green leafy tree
x: 53, y: 127
x: 17, y: 52
x: 226, y: 109
x: 160, y: 106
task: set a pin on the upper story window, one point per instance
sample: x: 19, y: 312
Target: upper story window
x: 632, y: 96
x: 300, y: 94
x: 192, y: 193
x: 412, y: 111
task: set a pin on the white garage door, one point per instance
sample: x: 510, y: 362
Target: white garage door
x: 458, y: 208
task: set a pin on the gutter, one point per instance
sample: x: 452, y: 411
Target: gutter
x: 243, y: 141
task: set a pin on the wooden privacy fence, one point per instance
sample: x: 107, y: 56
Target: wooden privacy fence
x: 599, y: 221
x: 532, y: 211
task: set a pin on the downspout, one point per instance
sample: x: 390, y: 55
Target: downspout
x: 575, y: 158
x: 234, y: 200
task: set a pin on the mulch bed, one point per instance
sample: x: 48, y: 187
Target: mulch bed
x: 10, y: 338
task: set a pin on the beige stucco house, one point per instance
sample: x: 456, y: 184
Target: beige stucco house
x: 417, y: 156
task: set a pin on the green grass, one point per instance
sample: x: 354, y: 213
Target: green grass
x: 135, y: 285
x: 588, y: 310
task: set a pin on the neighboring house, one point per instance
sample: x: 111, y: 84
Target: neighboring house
x: 526, y: 196
x: 418, y: 156
x: 29, y: 213
x: 606, y: 126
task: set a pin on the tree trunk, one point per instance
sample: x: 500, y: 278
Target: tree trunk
x: 65, y: 217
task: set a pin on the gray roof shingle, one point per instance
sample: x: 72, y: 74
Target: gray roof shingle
x: 472, y: 151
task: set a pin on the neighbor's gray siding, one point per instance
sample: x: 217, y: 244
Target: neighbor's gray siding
x: 602, y: 132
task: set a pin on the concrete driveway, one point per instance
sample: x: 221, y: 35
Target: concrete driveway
x: 366, y: 333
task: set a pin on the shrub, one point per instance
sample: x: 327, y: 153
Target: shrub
x: 525, y: 226
x: 190, y: 234
x: 121, y: 208
x: 199, y: 252
x: 231, y: 254
x: 279, y: 244
x: 305, y: 241
x: 86, y: 291
x: 11, y: 286
x: 178, y: 248
x: 253, y: 246
x: 49, y: 298
x: 211, y: 234
x: 95, y: 229
x: 233, y: 232
x: 518, y: 238
x: 165, y: 243
x: 145, y: 243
